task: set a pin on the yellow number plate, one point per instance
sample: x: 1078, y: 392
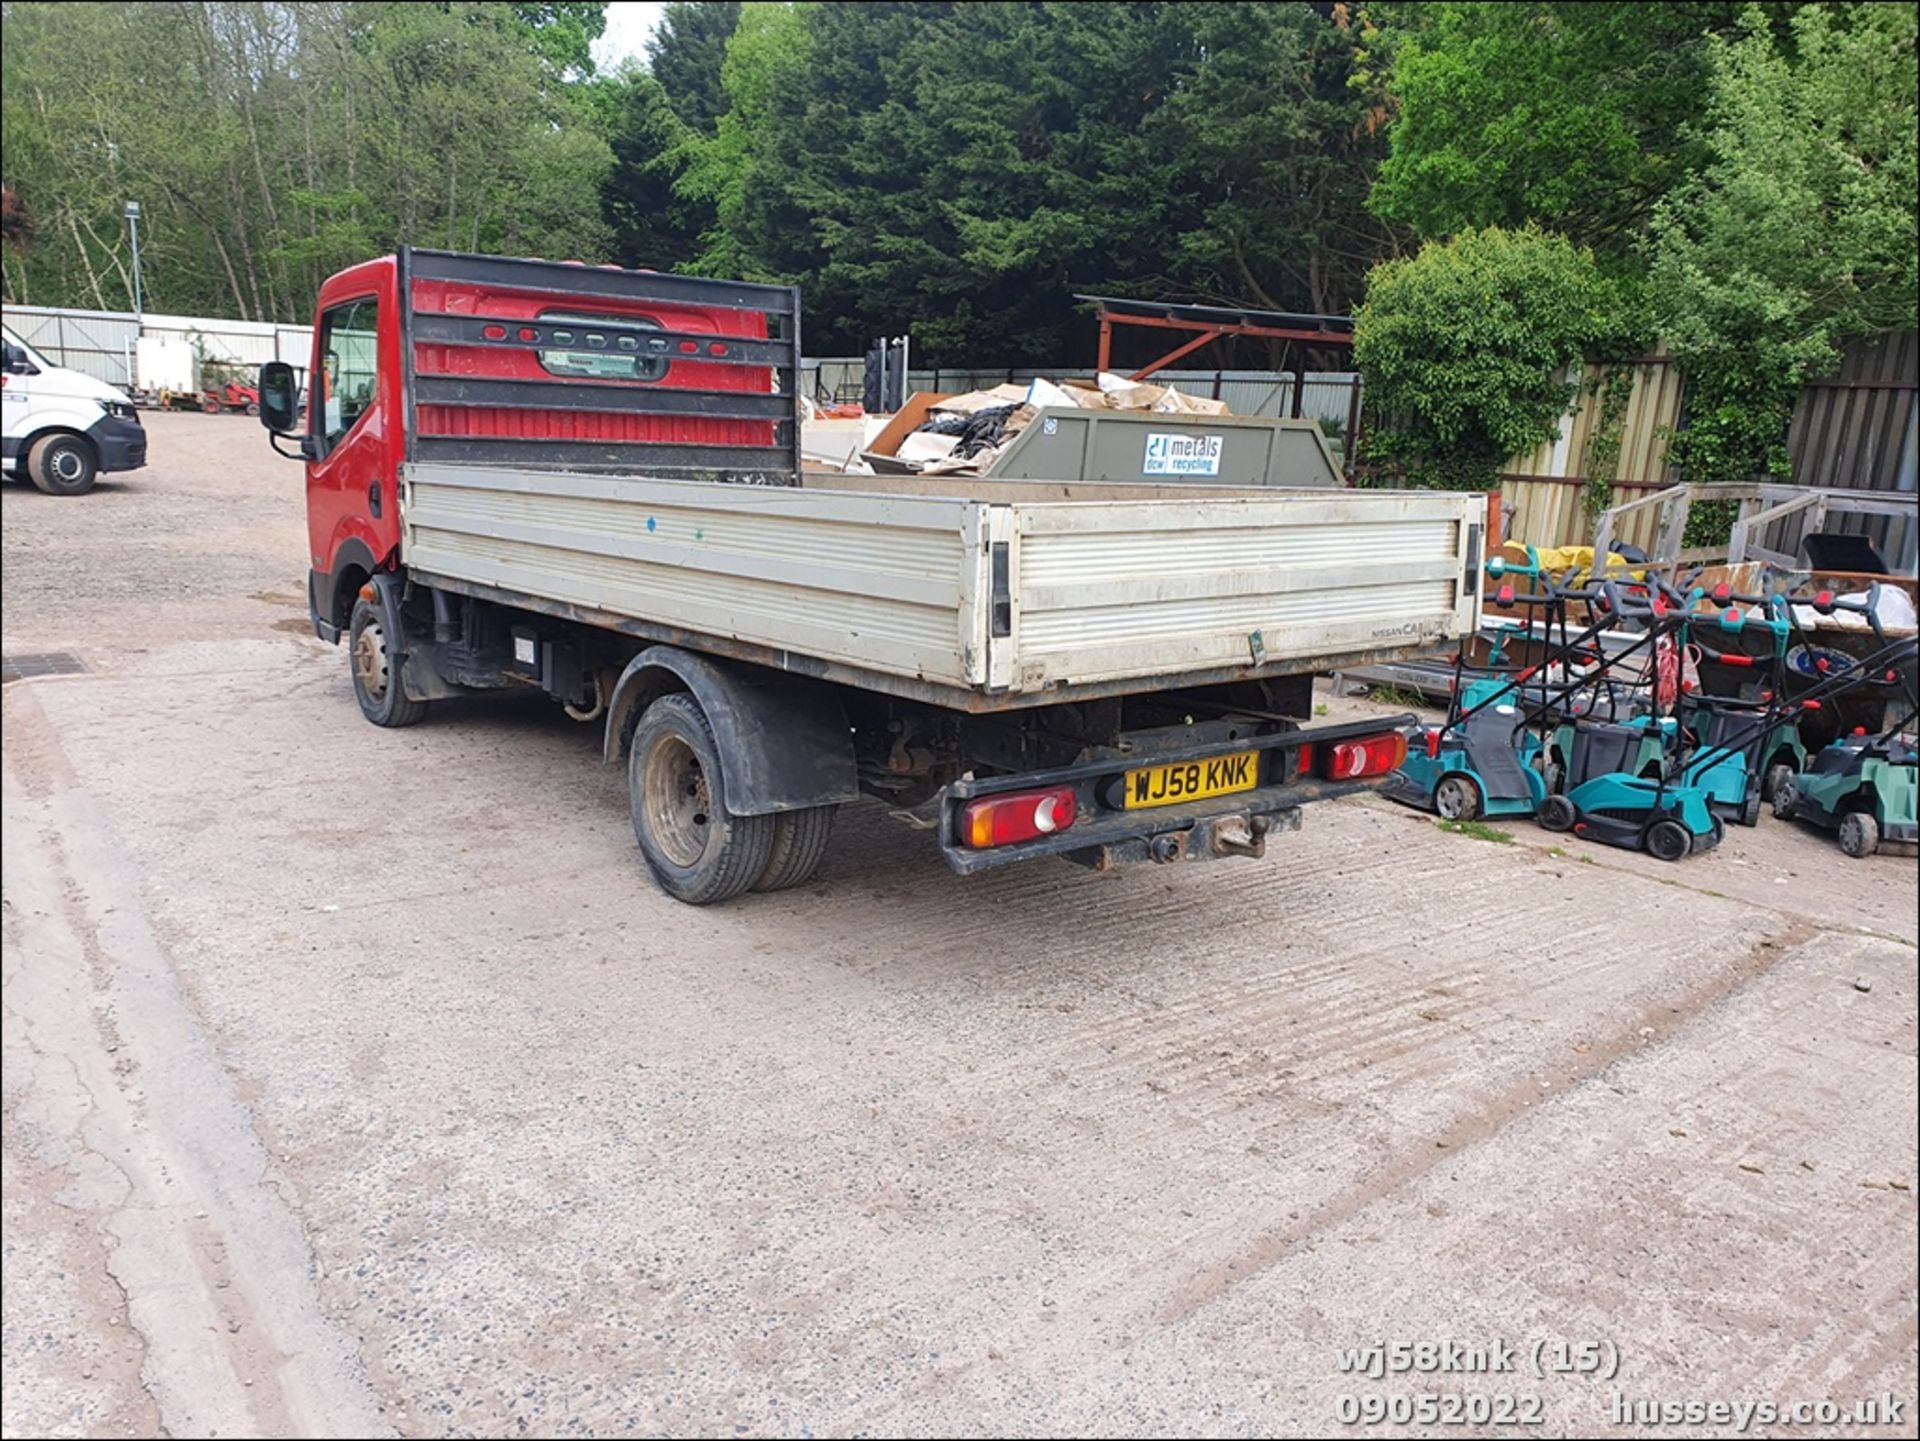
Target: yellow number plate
x: 1192, y: 780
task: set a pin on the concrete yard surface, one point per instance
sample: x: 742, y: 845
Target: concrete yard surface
x: 361, y: 1082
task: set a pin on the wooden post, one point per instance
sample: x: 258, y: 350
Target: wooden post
x: 1106, y: 344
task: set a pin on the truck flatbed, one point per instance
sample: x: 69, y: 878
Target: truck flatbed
x: 996, y: 594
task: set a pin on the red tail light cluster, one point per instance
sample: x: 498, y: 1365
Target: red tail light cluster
x: 1022, y: 816
x: 1367, y: 756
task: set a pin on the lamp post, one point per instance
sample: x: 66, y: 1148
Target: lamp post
x: 132, y: 211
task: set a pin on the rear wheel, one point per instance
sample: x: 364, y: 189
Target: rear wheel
x: 376, y: 675
x: 799, y: 840
x: 1859, y: 835
x: 697, y: 850
x: 1777, y: 776
x: 1668, y: 841
x: 1750, y: 812
x: 1457, y: 799
x: 1786, y: 794
x: 62, y: 465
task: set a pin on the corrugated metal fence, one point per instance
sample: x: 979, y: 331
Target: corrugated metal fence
x: 1855, y: 430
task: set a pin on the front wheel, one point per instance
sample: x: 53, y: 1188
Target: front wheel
x: 376, y: 671
x: 62, y: 465
x: 1557, y: 813
x: 1859, y: 835
x: 698, y: 851
x: 1786, y: 795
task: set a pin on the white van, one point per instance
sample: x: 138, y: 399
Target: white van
x: 63, y: 429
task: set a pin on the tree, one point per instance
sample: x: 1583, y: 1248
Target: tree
x: 1469, y: 350
x: 767, y: 49
x: 685, y: 55
x: 1798, y: 231
x: 654, y: 226
x: 1272, y: 149
x: 272, y: 143
x: 1575, y: 115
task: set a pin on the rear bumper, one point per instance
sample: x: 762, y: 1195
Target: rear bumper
x: 121, y: 444
x: 1107, y: 836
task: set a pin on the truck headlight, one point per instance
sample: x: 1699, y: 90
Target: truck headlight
x: 120, y: 410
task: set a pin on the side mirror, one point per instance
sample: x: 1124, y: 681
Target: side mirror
x: 17, y: 362
x: 279, y: 398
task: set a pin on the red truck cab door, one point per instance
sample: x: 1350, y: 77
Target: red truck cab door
x: 356, y: 428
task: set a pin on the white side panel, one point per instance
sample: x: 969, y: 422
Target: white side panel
x: 1144, y: 588
x: 886, y: 583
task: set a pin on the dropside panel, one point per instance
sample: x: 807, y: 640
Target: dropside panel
x: 885, y: 583
x: 1101, y: 593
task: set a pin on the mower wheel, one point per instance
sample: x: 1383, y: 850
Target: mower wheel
x: 1557, y: 813
x: 1777, y: 776
x: 1786, y: 795
x: 1859, y: 834
x: 210, y: 405
x: 1668, y: 841
x: 1457, y: 799
x: 1750, y: 812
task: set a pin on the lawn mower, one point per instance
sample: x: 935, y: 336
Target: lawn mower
x: 1492, y: 756
x: 1607, y: 797
x: 1863, y: 786
x: 1733, y: 774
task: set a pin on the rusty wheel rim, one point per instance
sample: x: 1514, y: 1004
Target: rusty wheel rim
x: 677, y: 800
x: 370, y: 660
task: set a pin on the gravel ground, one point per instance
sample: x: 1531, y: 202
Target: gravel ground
x: 359, y: 1082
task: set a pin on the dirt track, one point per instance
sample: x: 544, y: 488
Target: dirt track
x: 360, y: 1080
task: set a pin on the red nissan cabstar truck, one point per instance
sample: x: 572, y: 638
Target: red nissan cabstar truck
x: 587, y: 480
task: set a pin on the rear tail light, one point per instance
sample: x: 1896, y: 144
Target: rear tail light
x: 1367, y: 756
x: 1024, y: 816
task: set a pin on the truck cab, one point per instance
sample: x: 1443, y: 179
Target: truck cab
x: 63, y: 430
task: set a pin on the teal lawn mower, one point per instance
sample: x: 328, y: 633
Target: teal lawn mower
x: 1728, y: 753
x: 1864, y: 787
x: 1607, y: 797
x: 1498, y: 753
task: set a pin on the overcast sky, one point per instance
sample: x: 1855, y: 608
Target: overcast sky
x: 628, y: 25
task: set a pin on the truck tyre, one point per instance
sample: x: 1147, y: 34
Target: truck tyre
x: 1859, y: 834
x: 799, y: 840
x: 62, y: 464
x: 376, y: 679
x: 698, y: 851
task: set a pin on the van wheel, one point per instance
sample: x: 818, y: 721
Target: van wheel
x: 799, y: 840
x: 698, y: 851
x: 62, y: 465
x: 376, y: 679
